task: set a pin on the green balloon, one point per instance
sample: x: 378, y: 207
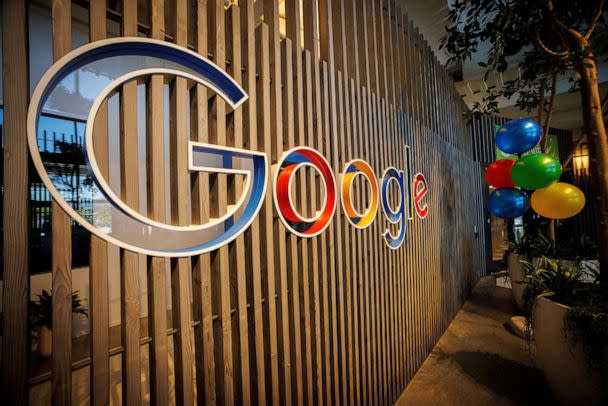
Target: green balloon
x: 536, y: 171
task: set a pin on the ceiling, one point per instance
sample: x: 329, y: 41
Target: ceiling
x: 431, y: 16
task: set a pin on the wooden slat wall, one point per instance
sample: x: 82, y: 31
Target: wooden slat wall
x: 62, y: 245
x: 15, y: 278
x: 271, y: 317
x: 98, y: 265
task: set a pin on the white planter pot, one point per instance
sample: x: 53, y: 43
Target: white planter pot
x: 517, y: 273
x: 45, y: 342
x: 565, y: 366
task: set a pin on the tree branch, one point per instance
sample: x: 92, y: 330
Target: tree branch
x: 541, y: 101
x: 594, y: 22
x: 549, y: 111
x: 551, y: 52
x: 576, y: 36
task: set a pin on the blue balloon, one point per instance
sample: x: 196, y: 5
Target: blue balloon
x: 518, y: 136
x: 508, y: 203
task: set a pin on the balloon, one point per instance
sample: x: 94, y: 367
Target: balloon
x: 518, y: 136
x: 498, y: 174
x: 508, y: 203
x: 558, y: 201
x: 536, y: 171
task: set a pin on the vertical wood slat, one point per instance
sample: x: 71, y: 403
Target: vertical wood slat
x: 61, y: 390
x: 371, y: 238
x: 319, y: 258
x: 15, y: 275
x: 343, y: 278
x: 235, y: 190
x: 340, y: 152
x: 271, y: 17
x: 253, y: 234
x: 382, y: 253
x: 201, y: 275
x: 292, y: 11
x: 130, y: 289
x: 313, y: 253
x: 375, y: 301
x: 352, y: 38
x: 401, y: 103
x: 180, y: 215
x: 157, y: 267
x: 292, y: 279
x: 220, y: 259
x: 266, y: 213
x: 326, y: 258
x: 98, y: 264
x: 335, y: 250
x: 393, y: 285
x: 375, y: 87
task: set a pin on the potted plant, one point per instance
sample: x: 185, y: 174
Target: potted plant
x: 41, y: 315
x: 525, y: 249
x: 516, y: 253
x: 567, y: 311
x: 574, y: 252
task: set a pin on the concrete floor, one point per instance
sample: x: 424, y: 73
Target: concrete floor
x: 478, y: 361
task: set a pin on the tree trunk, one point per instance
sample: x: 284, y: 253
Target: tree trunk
x: 545, y: 133
x: 596, y: 131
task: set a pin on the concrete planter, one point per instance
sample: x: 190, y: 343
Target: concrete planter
x: 45, y: 342
x: 517, y: 273
x: 565, y: 366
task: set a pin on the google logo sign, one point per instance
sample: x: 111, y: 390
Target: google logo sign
x: 117, y: 61
x: 299, y: 157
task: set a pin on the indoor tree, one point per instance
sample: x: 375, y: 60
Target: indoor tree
x: 546, y: 40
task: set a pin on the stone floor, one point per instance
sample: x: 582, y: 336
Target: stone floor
x: 478, y: 361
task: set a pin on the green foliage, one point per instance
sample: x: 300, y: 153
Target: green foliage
x: 578, y: 287
x: 523, y: 34
x: 588, y: 323
x: 564, y: 282
x: 537, y: 245
x: 527, y: 245
x: 41, y: 311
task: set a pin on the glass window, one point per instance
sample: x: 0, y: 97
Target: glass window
x: 62, y: 140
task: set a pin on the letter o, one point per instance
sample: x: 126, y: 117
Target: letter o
x: 286, y: 168
x: 352, y: 169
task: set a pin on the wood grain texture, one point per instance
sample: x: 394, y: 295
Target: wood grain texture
x: 156, y: 205
x: 201, y: 272
x: 238, y: 248
x: 130, y: 261
x: 277, y: 145
x: 61, y: 388
x: 250, y: 140
x: 220, y: 261
x: 181, y: 215
x: 266, y: 216
x: 292, y: 291
x: 15, y: 275
x: 98, y: 264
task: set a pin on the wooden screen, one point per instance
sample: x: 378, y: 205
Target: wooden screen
x: 271, y: 318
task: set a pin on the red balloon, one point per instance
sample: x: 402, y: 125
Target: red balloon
x: 498, y: 174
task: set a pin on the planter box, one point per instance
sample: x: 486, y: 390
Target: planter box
x: 565, y: 367
x: 517, y: 274
x: 45, y: 342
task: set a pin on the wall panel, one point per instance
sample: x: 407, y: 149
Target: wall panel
x: 270, y: 318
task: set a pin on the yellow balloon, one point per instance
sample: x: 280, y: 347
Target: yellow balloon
x: 558, y: 201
